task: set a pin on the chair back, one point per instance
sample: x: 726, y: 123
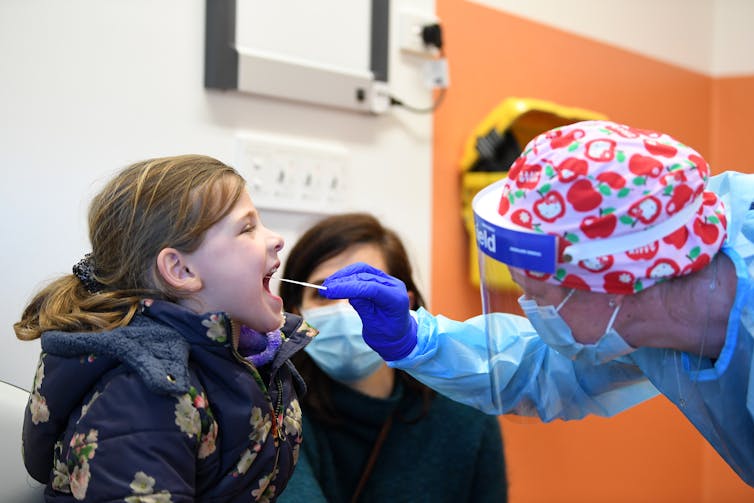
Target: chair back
x: 15, y: 484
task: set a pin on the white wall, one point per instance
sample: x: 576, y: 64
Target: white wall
x: 713, y: 37
x: 733, y: 38
x: 88, y: 86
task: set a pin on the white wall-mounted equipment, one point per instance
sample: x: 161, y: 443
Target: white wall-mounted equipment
x: 231, y: 65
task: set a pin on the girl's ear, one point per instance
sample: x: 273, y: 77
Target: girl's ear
x: 173, y: 267
x: 411, y: 300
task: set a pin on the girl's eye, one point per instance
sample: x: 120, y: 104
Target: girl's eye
x: 248, y: 228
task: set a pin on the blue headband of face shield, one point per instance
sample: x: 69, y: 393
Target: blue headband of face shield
x: 523, y: 249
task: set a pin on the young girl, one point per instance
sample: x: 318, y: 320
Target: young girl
x: 148, y: 388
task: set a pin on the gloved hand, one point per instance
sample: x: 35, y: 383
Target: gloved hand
x: 382, y: 303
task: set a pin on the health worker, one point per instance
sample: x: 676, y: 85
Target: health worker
x: 636, y: 270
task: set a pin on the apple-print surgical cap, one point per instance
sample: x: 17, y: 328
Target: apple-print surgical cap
x: 628, y: 206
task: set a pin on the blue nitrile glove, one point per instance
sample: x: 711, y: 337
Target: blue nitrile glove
x: 382, y: 303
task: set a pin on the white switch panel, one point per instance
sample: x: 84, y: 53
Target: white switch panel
x: 291, y: 174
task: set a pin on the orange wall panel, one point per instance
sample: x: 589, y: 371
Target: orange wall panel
x: 649, y: 453
x: 733, y: 107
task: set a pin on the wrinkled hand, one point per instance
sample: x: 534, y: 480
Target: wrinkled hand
x: 383, y: 306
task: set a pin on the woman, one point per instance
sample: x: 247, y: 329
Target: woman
x: 373, y: 433
x: 635, y: 268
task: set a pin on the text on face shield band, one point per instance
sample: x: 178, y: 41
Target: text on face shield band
x: 525, y: 250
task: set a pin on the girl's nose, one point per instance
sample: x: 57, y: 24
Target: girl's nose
x: 279, y: 242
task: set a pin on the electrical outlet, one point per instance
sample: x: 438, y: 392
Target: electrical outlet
x: 293, y: 175
x: 410, y: 40
x: 435, y: 73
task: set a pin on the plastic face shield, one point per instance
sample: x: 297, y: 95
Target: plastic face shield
x: 502, y: 244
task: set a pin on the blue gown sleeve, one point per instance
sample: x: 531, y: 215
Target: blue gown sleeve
x: 525, y: 378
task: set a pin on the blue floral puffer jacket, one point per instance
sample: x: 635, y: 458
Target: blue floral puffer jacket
x: 164, y: 409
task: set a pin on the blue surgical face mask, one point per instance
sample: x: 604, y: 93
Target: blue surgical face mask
x: 339, y: 349
x: 556, y: 333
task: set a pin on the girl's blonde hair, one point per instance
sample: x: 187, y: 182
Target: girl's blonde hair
x: 148, y: 206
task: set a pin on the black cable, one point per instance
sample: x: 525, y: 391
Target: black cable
x: 429, y: 109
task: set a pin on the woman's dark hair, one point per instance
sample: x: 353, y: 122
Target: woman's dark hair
x: 326, y: 239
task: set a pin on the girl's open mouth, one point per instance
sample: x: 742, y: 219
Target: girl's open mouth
x: 267, y: 278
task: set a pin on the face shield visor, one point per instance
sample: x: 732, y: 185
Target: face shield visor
x: 499, y: 245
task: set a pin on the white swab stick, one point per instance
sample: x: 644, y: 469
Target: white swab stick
x: 302, y: 283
